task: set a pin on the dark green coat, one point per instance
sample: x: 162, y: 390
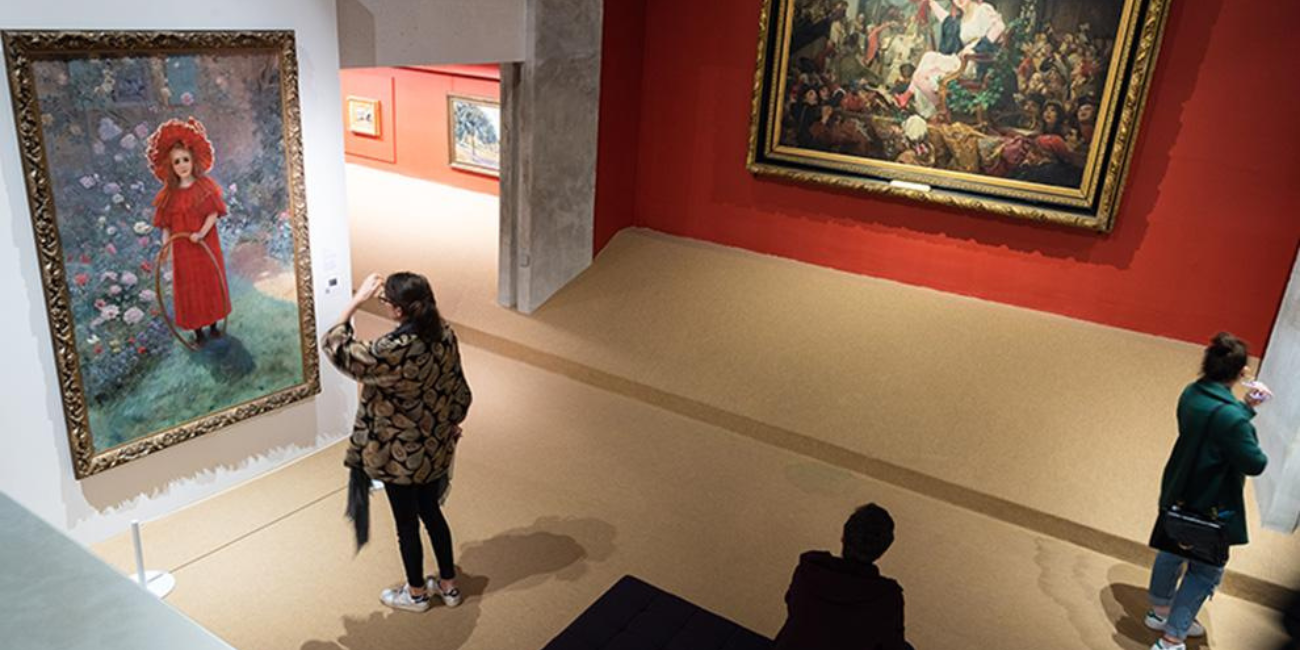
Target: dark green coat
x: 1215, y: 476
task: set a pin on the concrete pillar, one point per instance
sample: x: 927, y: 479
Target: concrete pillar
x: 512, y: 203
x: 1278, y: 422
x: 376, y: 33
x: 550, y: 106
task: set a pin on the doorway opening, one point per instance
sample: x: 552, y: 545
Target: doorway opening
x: 423, y: 150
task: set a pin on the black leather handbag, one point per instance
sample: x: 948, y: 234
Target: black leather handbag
x: 1192, y: 535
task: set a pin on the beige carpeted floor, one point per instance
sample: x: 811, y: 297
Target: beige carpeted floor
x: 697, y: 416
x: 1037, y: 419
x: 562, y: 487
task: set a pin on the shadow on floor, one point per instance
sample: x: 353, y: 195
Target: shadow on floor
x: 518, y: 559
x: 389, y: 630
x: 552, y: 548
x: 1126, y: 605
x: 1291, y: 622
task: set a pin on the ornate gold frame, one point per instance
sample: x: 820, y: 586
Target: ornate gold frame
x: 375, y: 129
x: 451, y: 133
x: 21, y: 49
x: 1092, y: 207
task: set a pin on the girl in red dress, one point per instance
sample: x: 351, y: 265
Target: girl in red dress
x: 189, y: 204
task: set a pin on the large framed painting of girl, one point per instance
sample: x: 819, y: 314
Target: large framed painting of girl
x: 164, y: 177
x: 1026, y: 108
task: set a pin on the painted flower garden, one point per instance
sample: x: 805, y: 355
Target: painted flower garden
x: 96, y: 117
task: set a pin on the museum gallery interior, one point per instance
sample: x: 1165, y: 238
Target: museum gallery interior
x: 704, y: 280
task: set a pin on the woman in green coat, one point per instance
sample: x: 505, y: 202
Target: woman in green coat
x: 1216, y: 450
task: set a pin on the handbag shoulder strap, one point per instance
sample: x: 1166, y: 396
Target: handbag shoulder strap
x: 1200, y: 444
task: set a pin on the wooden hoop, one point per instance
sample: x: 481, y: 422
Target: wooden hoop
x: 158, y: 293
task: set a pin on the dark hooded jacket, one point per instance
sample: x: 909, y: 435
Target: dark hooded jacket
x: 839, y: 604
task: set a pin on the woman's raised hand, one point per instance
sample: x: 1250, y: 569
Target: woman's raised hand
x: 1257, y: 393
x: 369, y: 286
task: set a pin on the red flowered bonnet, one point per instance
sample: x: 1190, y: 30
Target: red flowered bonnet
x: 189, y: 134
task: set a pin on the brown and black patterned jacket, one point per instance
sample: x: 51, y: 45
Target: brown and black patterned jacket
x: 413, y: 400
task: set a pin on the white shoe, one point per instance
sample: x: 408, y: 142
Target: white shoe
x: 449, y: 598
x: 1158, y: 622
x: 402, y: 599
x: 1161, y: 645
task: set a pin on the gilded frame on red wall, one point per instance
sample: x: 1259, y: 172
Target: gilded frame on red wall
x: 364, y: 116
x: 85, y: 105
x: 474, y: 134
x: 1027, y: 115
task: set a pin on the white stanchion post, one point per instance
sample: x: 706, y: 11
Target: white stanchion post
x: 159, y: 583
x: 139, y: 552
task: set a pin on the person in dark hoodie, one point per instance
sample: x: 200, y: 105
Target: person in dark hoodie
x: 843, y: 603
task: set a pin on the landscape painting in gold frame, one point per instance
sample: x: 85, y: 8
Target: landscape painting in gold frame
x: 363, y: 116
x: 474, y: 134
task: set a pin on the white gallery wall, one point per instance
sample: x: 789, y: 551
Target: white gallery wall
x: 35, y: 466
x: 1278, y: 422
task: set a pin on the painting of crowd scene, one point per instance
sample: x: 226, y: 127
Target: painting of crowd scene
x: 1002, y: 89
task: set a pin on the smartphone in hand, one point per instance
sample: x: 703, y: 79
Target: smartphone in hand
x: 1256, y: 392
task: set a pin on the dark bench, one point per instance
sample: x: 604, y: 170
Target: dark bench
x: 634, y: 615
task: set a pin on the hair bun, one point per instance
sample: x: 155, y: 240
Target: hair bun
x: 1222, y: 342
x: 1225, y: 356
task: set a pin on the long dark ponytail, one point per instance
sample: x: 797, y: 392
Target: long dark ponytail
x: 411, y: 293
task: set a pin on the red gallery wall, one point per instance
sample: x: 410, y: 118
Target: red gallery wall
x: 622, y: 58
x: 1205, y: 239
x: 413, y: 106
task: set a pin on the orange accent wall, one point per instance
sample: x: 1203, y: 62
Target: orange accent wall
x: 373, y: 148
x: 1204, y: 240
x: 414, y: 122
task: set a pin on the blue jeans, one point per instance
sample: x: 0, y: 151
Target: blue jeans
x: 1184, y: 600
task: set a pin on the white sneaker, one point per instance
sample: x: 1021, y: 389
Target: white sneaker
x: 1162, y: 645
x: 402, y: 599
x: 449, y: 598
x: 1158, y: 622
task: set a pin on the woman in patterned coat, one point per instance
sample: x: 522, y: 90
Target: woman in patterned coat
x: 413, y: 399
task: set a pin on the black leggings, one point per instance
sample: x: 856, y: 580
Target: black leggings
x: 411, y: 504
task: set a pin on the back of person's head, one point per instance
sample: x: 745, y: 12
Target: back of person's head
x: 868, y: 533
x: 1224, y: 358
x: 410, y: 292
